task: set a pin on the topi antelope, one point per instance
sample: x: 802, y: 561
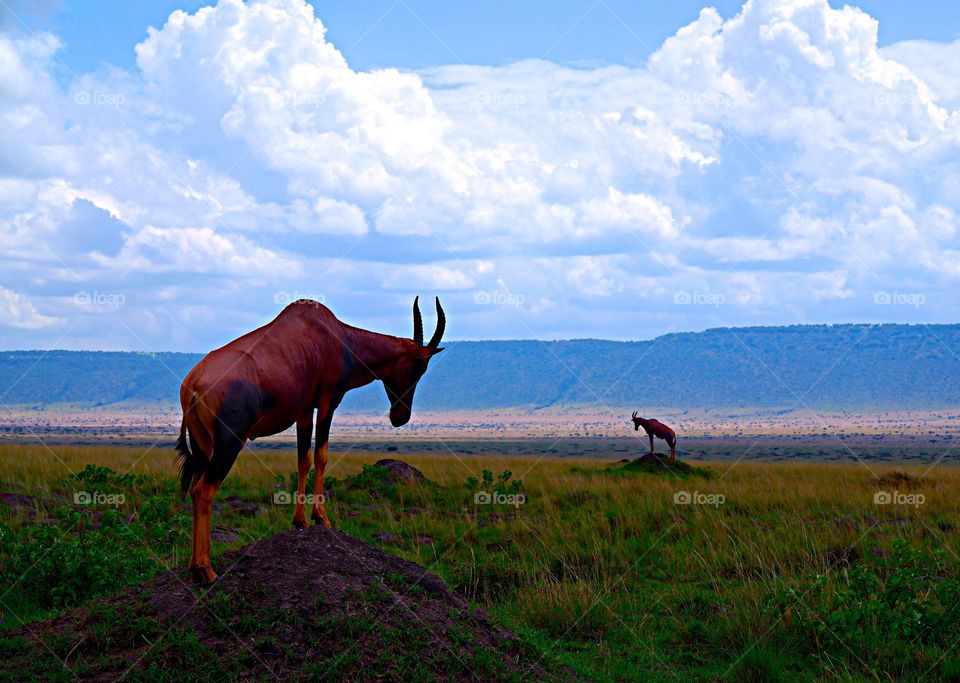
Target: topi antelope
x: 655, y: 428
x: 274, y: 377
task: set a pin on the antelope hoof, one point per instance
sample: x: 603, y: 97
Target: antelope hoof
x: 320, y: 519
x: 299, y: 524
x: 203, y: 576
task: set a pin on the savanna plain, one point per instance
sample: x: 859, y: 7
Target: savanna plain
x: 607, y: 568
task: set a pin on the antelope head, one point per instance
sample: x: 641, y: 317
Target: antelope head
x: 401, y: 379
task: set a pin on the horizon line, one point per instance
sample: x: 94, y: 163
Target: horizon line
x: 551, y: 341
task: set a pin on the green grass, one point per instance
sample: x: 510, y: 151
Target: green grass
x: 770, y: 573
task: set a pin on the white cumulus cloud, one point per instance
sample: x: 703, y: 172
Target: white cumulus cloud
x: 778, y: 158
x: 16, y: 310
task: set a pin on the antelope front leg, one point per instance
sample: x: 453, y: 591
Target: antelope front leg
x: 651, y: 443
x: 319, y: 514
x: 304, y: 427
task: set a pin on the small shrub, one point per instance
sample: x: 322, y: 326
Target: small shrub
x: 97, y: 475
x: 913, y: 595
x: 494, y: 484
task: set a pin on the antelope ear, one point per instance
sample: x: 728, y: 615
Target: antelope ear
x: 428, y: 352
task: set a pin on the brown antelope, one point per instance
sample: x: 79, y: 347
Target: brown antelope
x: 655, y: 428
x: 274, y: 377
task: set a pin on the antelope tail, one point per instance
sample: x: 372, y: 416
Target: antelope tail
x: 191, y: 463
x: 186, y: 460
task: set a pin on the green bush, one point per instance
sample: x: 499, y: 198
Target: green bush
x: 97, y: 475
x: 913, y: 595
x: 78, y: 553
x: 499, y: 484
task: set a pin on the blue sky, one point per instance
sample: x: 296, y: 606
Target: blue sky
x: 416, y: 34
x: 552, y: 170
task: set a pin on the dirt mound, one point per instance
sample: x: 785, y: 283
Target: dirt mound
x: 656, y: 463
x: 399, y: 471
x: 314, y: 604
x: 383, y: 479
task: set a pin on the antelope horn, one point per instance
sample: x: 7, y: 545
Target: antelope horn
x: 417, y: 323
x: 634, y: 413
x: 441, y: 324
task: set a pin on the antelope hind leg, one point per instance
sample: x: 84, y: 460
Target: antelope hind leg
x: 201, y: 569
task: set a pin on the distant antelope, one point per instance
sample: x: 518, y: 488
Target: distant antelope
x: 655, y: 428
x: 274, y: 377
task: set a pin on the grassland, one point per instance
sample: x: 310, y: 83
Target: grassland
x: 770, y: 572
